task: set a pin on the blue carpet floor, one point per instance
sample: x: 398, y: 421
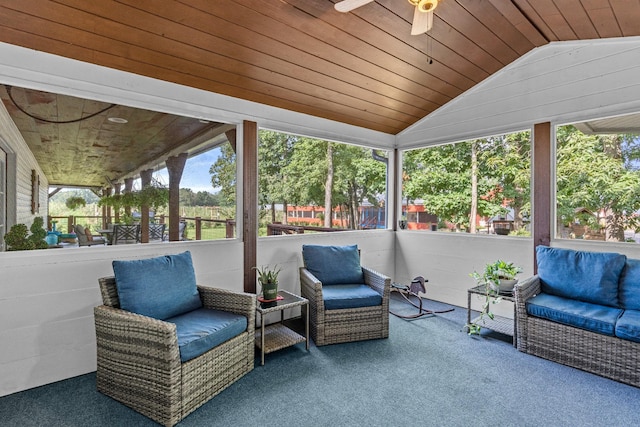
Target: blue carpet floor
x: 428, y: 373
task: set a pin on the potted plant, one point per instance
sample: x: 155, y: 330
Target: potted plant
x: 18, y: 238
x: 268, y: 279
x: 75, y: 202
x: 498, y: 277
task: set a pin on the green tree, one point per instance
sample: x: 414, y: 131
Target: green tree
x: 223, y: 175
x: 274, y: 154
x: 507, y: 160
x: 598, y: 173
x: 483, y: 177
x: 358, y: 177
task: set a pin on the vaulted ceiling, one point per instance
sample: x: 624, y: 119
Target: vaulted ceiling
x: 362, y: 68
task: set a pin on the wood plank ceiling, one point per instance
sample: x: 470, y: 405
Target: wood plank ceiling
x: 362, y: 68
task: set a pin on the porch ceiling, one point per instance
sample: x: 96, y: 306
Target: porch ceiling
x: 92, y: 151
x: 361, y: 68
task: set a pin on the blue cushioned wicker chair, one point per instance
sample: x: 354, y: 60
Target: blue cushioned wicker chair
x: 166, y: 346
x: 347, y: 302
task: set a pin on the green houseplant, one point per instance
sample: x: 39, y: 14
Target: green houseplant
x: 18, y: 238
x: 268, y: 279
x: 497, y: 277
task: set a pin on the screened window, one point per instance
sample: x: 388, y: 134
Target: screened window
x: 315, y: 185
x: 598, y: 184
x: 477, y: 186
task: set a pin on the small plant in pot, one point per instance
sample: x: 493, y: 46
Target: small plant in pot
x: 498, y: 277
x: 268, y: 279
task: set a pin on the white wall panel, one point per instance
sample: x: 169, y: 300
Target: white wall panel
x: 14, y: 143
x: 447, y: 259
x: 559, y: 82
x: 47, y: 299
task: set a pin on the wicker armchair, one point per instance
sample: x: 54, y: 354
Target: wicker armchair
x: 332, y: 326
x: 139, y: 360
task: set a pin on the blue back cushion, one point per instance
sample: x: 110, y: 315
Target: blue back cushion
x: 629, y: 292
x: 333, y: 265
x: 159, y: 287
x: 586, y: 276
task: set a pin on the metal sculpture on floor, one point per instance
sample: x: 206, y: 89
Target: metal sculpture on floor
x: 413, y: 290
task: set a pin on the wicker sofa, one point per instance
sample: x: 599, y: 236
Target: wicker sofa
x: 347, y: 302
x: 582, y: 309
x: 140, y: 359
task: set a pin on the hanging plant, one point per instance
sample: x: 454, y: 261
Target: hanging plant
x: 153, y: 196
x: 75, y: 202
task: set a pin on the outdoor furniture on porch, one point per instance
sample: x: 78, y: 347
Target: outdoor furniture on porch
x: 347, y: 302
x: 156, y: 231
x: 182, y: 226
x: 166, y: 346
x: 126, y: 234
x: 85, y: 238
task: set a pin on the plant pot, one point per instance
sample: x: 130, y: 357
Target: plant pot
x: 506, y: 285
x: 269, y: 291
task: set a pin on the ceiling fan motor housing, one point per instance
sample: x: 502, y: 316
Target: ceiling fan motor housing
x: 425, y: 5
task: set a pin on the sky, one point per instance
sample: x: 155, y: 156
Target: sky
x: 196, y: 172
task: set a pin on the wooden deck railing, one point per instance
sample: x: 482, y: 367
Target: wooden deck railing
x: 276, y: 229
x: 64, y: 224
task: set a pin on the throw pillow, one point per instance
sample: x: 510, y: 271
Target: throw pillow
x: 333, y: 265
x: 160, y: 287
x: 87, y: 233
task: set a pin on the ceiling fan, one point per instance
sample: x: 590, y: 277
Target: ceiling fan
x: 422, y: 16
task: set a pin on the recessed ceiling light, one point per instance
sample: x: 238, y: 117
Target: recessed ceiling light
x: 117, y: 120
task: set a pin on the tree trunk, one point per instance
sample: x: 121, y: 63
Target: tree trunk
x: 614, y: 230
x: 285, y: 205
x: 273, y: 212
x: 328, y: 187
x: 474, y: 188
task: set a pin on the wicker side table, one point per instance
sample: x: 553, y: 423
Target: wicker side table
x: 500, y: 324
x: 270, y: 338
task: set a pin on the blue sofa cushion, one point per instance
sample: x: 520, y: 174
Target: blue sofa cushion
x: 349, y: 296
x: 333, y: 265
x: 203, y: 329
x: 586, y: 276
x: 629, y: 290
x: 628, y: 326
x: 592, y: 317
x: 160, y: 287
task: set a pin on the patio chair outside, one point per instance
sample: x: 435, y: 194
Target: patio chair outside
x: 126, y: 234
x: 85, y: 238
x: 366, y: 309
x: 156, y: 231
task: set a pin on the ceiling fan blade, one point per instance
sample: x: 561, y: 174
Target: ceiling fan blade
x: 349, y: 5
x: 422, y: 22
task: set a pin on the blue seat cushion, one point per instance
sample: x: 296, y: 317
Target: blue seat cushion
x: 203, y: 329
x: 592, y: 317
x: 160, y: 287
x: 628, y: 326
x: 586, y: 276
x: 629, y: 290
x: 333, y: 265
x: 349, y: 296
